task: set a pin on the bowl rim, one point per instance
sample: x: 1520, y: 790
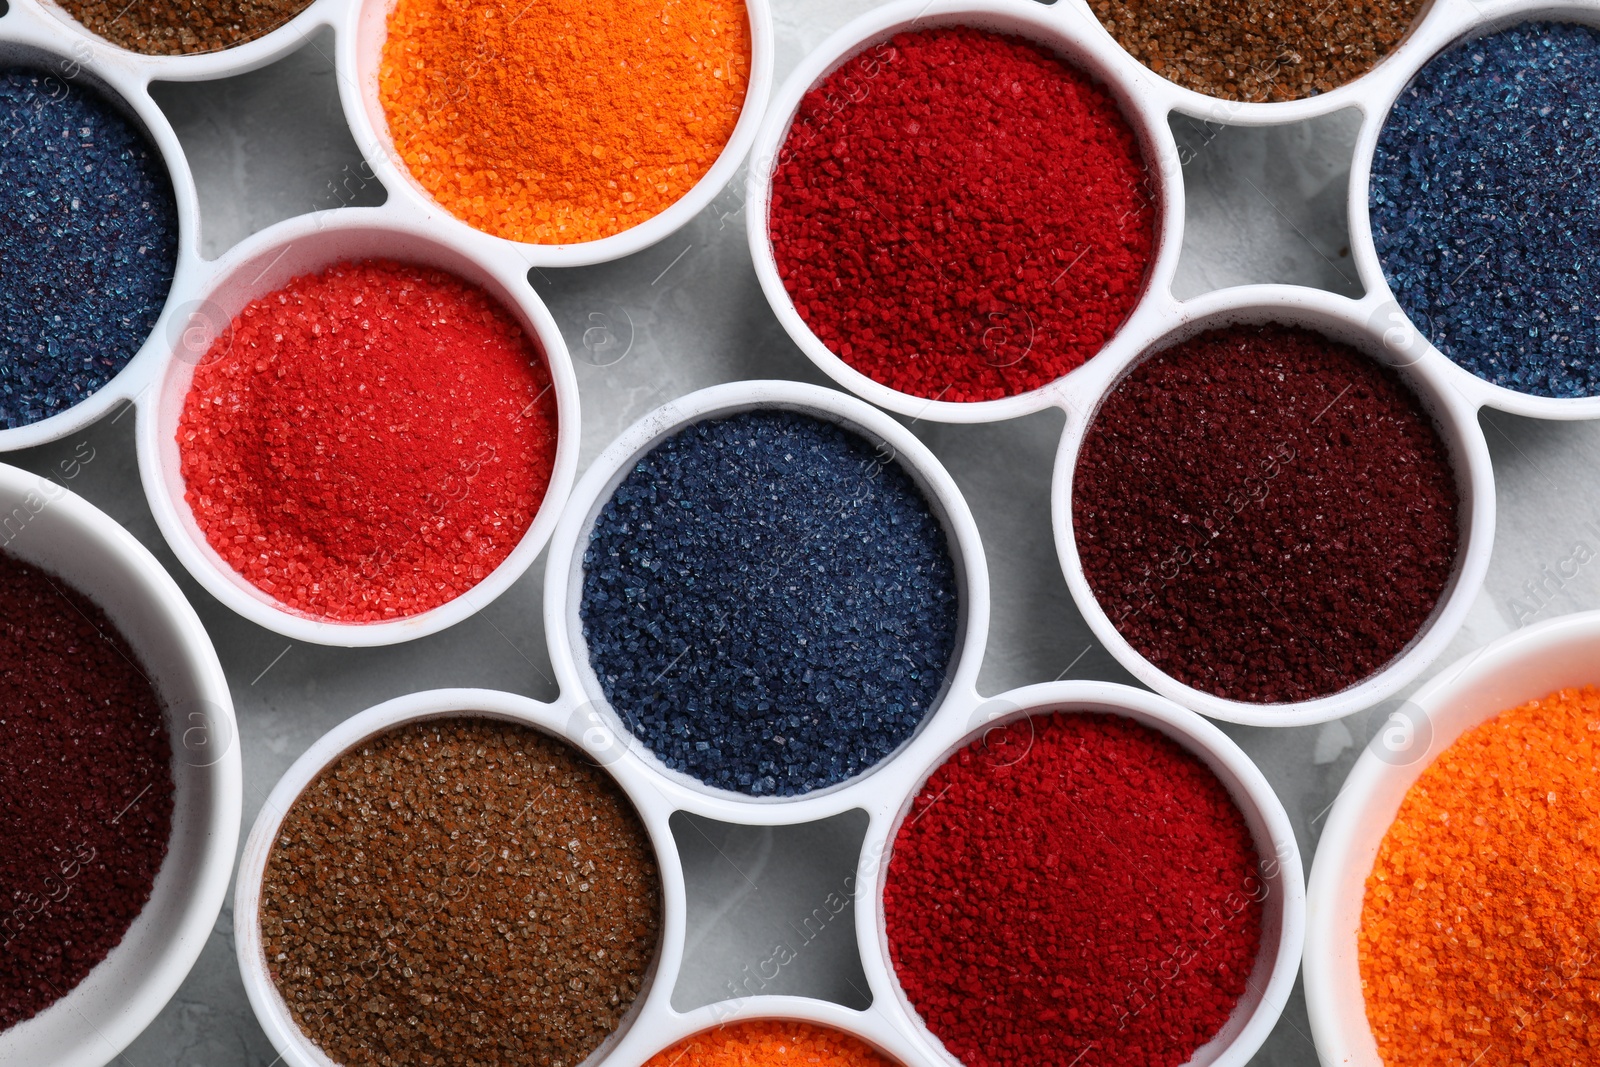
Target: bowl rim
x: 1343, y: 849
x: 1456, y: 419
x: 205, y: 889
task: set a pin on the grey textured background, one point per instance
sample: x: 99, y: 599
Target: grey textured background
x: 1263, y: 205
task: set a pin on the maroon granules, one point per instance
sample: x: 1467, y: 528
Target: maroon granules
x: 85, y: 788
x: 1265, y: 514
x: 463, y: 891
x: 1073, y: 889
x: 961, y: 215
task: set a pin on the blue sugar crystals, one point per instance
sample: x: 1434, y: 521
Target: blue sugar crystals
x: 1485, y: 206
x: 769, y: 603
x: 88, y: 243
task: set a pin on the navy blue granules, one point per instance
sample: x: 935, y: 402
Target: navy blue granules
x: 769, y: 603
x: 1486, y: 206
x: 88, y: 243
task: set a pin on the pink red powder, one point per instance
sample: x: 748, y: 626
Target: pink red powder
x: 369, y: 442
x: 961, y: 215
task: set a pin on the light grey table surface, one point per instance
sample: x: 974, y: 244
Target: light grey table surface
x: 1263, y: 205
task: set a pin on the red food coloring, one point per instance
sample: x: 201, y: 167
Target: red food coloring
x: 1265, y: 514
x: 1073, y: 889
x: 85, y: 789
x: 369, y: 442
x: 961, y: 215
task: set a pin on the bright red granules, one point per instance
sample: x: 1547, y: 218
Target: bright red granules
x: 369, y: 442
x: 961, y: 215
x: 1073, y: 889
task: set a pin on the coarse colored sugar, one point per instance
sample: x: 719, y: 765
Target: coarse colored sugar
x: 1485, y: 206
x: 1477, y: 938
x: 85, y: 788
x: 771, y: 1043
x: 1258, y: 50
x: 769, y: 602
x: 368, y: 442
x: 182, y: 27
x: 961, y: 215
x: 460, y: 890
x: 89, y: 246
x: 562, y: 121
x: 1073, y: 888
x: 1265, y: 514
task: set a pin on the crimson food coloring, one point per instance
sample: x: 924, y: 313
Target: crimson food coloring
x: 89, y: 245
x: 961, y: 215
x: 1073, y: 889
x: 769, y: 603
x: 369, y: 442
x: 1265, y: 514
x: 85, y: 788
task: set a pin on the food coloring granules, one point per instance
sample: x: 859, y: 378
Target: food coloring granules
x: 1485, y: 202
x: 1477, y: 938
x: 1265, y: 514
x: 1258, y: 50
x: 769, y: 602
x: 89, y: 246
x: 463, y: 891
x: 1073, y: 889
x: 961, y: 215
x: 182, y: 27
x: 369, y: 442
x: 85, y: 788
x: 771, y: 1043
x: 562, y: 120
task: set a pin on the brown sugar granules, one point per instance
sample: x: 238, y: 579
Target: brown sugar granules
x: 1258, y: 50
x: 463, y: 891
x: 179, y: 27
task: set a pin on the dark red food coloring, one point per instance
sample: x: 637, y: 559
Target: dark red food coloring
x: 1073, y: 889
x: 1265, y: 514
x: 961, y: 215
x: 370, y: 442
x: 85, y: 788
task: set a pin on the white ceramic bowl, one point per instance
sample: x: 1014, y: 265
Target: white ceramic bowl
x: 53, y: 528
x: 31, y: 38
x: 564, y: 575
x: 1283, y: 915
x: 298, y: 1050
x: 410, y: 225
x: 1523, y: 666
x: 889, y: 1024
x: 1449, y: 23
x: 1358, y: 92
x: 1454, y: 417
x: 868, y: 1026
x: 197, y: 66
x: 264, y: 264
x: 1058, y: 28
x: 362, y: 30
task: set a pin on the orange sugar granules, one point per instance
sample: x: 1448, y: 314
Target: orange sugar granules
x: 760, y: 1042
x: 562, y: 120
x: 1480, y: 933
